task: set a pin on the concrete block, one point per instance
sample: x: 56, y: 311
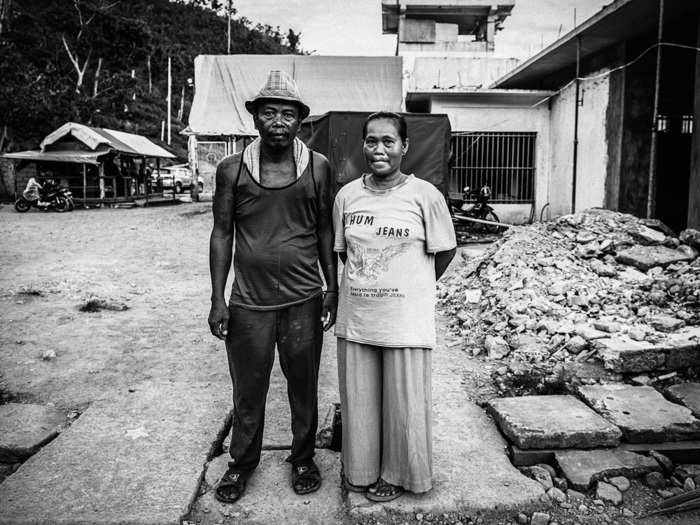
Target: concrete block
x: 683, y: 349
x: 628, y: 356
x: 642, y: 413
x: 24, y: 429
x: 559, y: 421
x: 646, y: 257
x: 687, y: 394
x: 134, y: 458
x: 584, y: 467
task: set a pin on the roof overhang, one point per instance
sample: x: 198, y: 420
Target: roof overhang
x: 74, y: 157
x: 467, y: 14
x: 485, y: 97
x: 617, y: 22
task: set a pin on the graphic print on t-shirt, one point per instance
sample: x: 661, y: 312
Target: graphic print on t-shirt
x: 366, y: 265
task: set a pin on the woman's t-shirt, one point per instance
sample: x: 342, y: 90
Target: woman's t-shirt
x: 387, y: 291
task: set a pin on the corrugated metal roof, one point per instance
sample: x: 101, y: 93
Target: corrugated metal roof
x: 76, y: 157
x: 117, y: 140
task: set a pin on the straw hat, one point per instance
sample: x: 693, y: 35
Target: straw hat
x: 279, y: 86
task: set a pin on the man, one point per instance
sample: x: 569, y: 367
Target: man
x: 277, y: 197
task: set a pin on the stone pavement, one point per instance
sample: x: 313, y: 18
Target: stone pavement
x: 134, y: 458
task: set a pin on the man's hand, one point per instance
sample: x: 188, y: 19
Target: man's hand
x: 218, y: 319
x: 330, y: 308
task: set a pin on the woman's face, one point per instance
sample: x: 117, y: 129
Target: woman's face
x: 383, y: 147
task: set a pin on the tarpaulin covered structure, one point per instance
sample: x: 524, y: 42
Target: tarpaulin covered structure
x: 327, y: 83
x: 338, y: 135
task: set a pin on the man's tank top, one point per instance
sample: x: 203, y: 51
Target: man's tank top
x: 276, y: 254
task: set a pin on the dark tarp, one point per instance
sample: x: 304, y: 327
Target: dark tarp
x: 338, y: 135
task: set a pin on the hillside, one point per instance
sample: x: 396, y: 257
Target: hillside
x: 104, y: 63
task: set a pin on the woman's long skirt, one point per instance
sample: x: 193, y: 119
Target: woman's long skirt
x: 386, y: 412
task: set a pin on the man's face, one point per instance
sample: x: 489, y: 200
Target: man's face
x: 277, y: 122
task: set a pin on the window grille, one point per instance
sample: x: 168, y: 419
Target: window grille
x: 687, y: 122
x: 503, y: 160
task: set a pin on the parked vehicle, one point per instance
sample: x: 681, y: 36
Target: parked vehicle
x: 179, y: 177
x: 51, y: 197
x: 463, y: 210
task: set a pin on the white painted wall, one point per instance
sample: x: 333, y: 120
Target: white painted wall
x: 592, y: 148
x: 471, y: 116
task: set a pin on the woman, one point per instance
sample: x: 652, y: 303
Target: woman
x: 394, y: 233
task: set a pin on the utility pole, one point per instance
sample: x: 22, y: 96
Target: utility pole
x: 651, y: 181
x: 576, y: 111
x: 170, y: 95
x: 228, y: 18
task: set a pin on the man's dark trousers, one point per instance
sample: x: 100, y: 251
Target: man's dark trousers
x: 250, y: 345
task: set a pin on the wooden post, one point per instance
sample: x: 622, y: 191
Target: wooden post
x: 101, y: 177
x: 84, y: 186
x: 170, y: 95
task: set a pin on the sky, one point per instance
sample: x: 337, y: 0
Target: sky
x: 354, y: 27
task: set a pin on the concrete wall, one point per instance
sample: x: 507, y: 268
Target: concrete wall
x: 592, y: 147
x: 470, y: 116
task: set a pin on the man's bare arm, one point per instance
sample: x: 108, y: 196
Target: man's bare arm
x: 327, y: 258
x: 221, y: 245
x: 442, y: 261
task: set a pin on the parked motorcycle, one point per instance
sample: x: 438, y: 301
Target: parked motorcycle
x: 463, y: 210
x: 51, y: 197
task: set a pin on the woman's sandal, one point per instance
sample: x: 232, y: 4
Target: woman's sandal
x: 381, y: 491
x: 305, y: 472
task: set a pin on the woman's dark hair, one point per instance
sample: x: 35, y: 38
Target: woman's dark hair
x: 398, y: 120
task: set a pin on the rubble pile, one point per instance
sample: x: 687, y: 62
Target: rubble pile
x: 544, y: 292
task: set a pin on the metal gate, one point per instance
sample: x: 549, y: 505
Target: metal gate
x: 503, y: 160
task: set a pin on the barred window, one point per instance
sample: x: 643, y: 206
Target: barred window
x: 503, y: 160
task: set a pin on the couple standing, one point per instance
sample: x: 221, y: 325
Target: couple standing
x: 394, y: 235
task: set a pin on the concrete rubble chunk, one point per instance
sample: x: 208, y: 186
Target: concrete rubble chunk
x: 25, y: 428
x: 558, y: 421
x: 666, y: 323
x: 540, y: 475
x: 584, y: 467
x: 647, y: 235
x: 621, y: 483
x: 539, y: 518
x: 133, y: 458
x: 687, y: 394
x: 646, y: 257
x: 608, y: 493
x: 690, y: 237
x: 642, y: 413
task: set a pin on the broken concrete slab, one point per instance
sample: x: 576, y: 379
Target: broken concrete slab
x: 624, y: 355
x: 269, y: 497
x: 687, y: 394
x: 133, y: 458
x: 642, y: 413
x: 25, y: 428
x: 584, y: 467
x: 558, y: 421
x: 646, y: 257
x: 675, y: 351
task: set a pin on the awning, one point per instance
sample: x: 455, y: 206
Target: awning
x: 75, y: 157
x: 617, y: 22
x: 327, y: 83
x: 117, y: 140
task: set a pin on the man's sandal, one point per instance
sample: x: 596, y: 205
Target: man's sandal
x: 382, y: 491
x: 230, y: 487
x: 303, y: 473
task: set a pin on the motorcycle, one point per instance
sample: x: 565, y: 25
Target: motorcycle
x: 51, y: 197
x: 462, y: 211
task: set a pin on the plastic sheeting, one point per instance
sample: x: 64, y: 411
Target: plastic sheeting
x: 327, y: 83
x: 338, y: 135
